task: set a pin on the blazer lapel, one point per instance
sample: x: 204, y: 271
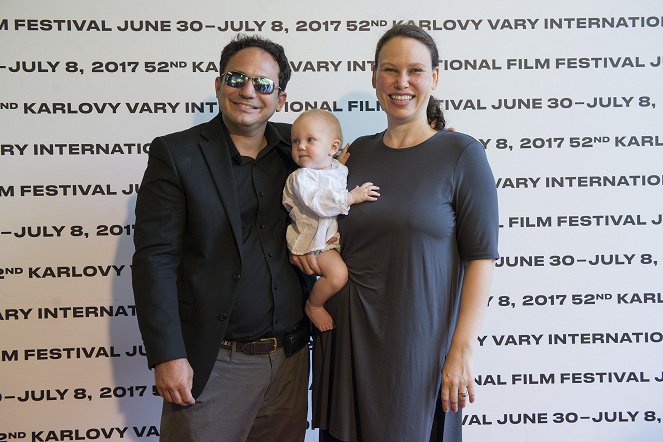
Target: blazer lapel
x: 215, y: 150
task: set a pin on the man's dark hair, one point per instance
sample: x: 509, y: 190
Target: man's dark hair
x: 243, y: 41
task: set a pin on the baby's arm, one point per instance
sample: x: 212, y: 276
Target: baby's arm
x: 323, y: 201
x: 365, y: 192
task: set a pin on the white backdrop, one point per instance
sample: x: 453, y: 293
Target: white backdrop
x: 566, y: 96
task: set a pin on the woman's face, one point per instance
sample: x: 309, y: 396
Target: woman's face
x: 404, y: 79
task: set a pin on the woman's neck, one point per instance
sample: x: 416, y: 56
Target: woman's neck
x: 404, y: 135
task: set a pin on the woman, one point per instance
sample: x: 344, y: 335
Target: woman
x: 420, y: 260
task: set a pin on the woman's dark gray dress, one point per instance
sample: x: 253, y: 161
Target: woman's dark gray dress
x: 376, y: 376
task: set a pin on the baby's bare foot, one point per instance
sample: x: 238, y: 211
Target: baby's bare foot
x: 319, y: 317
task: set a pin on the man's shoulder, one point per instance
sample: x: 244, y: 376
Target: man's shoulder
x: 283, y: 129
x: 190, y: 133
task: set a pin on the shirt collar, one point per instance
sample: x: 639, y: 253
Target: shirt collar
x: 272, y: 135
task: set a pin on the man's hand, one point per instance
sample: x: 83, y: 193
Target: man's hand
x: 306, y: 263
x: 174, y: 380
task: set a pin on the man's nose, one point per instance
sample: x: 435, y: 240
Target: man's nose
x: 248, y: 90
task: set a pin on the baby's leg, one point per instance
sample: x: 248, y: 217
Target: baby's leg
x: 334, y: 275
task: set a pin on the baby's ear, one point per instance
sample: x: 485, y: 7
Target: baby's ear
x: 336, y: 145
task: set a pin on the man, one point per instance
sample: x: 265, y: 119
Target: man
x: 215, y: 293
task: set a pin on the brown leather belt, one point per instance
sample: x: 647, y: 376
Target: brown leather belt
x: 262, y: 346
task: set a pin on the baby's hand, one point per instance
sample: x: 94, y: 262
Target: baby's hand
x: 344, y: 154
x: 365, y: 192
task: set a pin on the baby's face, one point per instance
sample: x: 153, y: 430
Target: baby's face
x: 313, y: 144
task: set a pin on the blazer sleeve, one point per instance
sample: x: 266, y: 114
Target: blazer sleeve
x: 158, y: 239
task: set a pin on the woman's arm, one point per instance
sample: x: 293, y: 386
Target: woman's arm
x: 457, y: 376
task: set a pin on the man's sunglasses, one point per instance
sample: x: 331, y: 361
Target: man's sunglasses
x: 262, y: 85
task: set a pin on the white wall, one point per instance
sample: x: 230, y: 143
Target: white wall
x: 568, y: 389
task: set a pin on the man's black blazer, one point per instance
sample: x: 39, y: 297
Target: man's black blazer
x: 188, y: 257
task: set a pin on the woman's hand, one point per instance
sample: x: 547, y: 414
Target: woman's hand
x: 457, y: 380
x: 344, y: 154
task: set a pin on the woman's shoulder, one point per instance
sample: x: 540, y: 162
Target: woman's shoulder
x: 365, y: 146
x: 368, y: 139
x: 457, y: 139
x: 457, y: 143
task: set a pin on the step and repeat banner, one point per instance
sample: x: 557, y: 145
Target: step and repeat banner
x: 566, y: 96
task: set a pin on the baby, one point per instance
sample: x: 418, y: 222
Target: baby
x: 313, y: 195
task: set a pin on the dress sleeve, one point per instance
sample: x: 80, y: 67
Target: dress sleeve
x: 475, y: 201
x: 318, y: 195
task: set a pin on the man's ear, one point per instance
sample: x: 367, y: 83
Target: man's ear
x: 281, y: 100
x: 217, y: 86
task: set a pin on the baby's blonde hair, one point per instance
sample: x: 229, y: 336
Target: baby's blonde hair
x: 334, y: 124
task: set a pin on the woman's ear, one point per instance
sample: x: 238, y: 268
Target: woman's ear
x: 436, y: 77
